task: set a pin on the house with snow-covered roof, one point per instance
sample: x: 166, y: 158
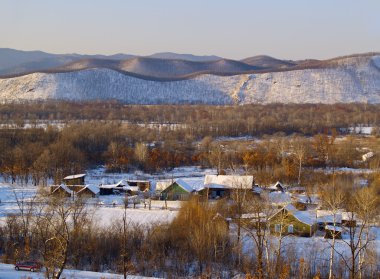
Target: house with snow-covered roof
x: 76, y: 179
x: 218, y: 186
x: 178, y: 190
x: 121, y: 187
x: 290, y: 220
x: 87, y: 191
x: 111, y: 189
x: 61, y: 191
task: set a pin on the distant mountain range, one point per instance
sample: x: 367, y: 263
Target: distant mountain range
x: 16, y: 62
x: 185, y: 78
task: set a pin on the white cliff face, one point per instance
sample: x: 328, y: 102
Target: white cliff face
x: 348, y: 80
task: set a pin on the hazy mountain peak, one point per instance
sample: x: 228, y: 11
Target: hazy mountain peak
x: 188, y: 57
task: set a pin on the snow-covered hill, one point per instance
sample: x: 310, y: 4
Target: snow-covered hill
x: 349, y: 79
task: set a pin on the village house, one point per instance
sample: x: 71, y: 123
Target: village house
x: 60, y: 191
x: 219, y: 186
x: 178, y: 190
x: 86, y: 192
x: 112, y: 189
x: 290, y: 220
x: 129, y: 187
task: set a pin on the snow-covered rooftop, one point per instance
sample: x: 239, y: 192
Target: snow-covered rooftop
x: 184, y: 185
x: 306, y: 217
x: 280, y: 198
x: 75, y: 176
x: 111, y: 186
x: 230, y: 181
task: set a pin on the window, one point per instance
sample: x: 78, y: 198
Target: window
x: 290, y: 229
x: 277, y: 227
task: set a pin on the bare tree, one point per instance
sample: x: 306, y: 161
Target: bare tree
x: 259, y: 211
x: 300, y: 152
x: 240, y: 196
x: 57, y: 222
x: 141, y: 152
x: 26, y: 209
x: 363, y: 210
x: 124, y: 235
x: 333, y: 199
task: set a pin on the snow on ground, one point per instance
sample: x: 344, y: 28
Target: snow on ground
x: 108, y: 208
x: 345, y: 170
x: 7, y: 271
x: 315, y: 248
x: 106, y: 216
x: 361, y: 130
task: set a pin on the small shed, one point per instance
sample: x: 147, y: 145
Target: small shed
x: 328, y: 218
x: 333, y: 231
x: 76, y: 179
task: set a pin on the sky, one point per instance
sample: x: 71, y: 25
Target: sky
x: 236, y: 29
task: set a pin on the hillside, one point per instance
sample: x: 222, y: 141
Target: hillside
x: 161, y: 69
x: 148, y: 81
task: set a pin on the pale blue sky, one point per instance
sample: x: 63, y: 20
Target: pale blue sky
x: 291, y: 29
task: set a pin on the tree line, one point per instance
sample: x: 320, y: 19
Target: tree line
x: 203, y: 120
x: 37, y: 155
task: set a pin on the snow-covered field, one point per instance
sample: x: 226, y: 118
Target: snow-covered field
x: 314, y: 249
x: 107, y: 209
x: 7, y: 271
